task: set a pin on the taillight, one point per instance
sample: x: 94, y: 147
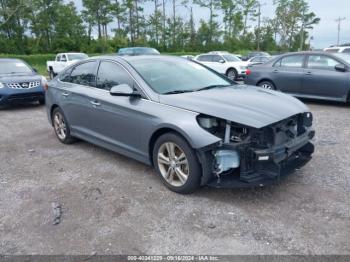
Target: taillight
x: 248, y: 72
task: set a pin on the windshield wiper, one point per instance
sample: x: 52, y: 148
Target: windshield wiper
x: 177, y: 92
x: 211, y: 87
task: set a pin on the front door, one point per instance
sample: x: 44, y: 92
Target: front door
x: 117, y: 118
x: 322, y: 79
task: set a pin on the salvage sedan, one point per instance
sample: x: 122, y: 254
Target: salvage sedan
x: 195, y: 126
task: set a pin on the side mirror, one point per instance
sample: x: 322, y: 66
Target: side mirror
x: 340, y: 68
x: 124, y: 90
x: 222, y: 61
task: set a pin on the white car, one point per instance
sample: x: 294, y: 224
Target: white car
x: 258, y: 60
x: 338, y: 49
x: 63, y: 60
x: 224, y: 63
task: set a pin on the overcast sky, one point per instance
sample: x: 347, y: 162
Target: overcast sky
x: 325, y: 34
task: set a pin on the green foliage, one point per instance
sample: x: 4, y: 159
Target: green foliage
x: 50, y: 26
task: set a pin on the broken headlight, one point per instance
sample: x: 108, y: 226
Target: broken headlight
x: 226, y: 130
x: 307, y: 119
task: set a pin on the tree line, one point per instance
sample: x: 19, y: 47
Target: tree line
x: 45, y: 26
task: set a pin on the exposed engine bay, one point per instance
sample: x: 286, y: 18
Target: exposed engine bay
x: 249, y: 155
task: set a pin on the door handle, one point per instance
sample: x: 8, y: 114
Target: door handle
x: 275, y: 71
x: 308, y: 73
x: 95, y: 103
x: 65, y: 94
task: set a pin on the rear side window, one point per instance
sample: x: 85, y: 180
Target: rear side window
x: 322, y: 62
x: 111, y: 74
x: 84, y: 74
x: 217, y: 58
x: 294, y: 61
x: 346, y: 50
x: 205, y: 58
x: 65, y: 76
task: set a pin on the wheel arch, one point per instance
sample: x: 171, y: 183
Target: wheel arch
x: 53, y: 107
x: 231, y: 68
x: 158, y: 133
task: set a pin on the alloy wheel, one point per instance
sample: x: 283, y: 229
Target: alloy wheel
x: 173, y: 164
x: 60, y: 126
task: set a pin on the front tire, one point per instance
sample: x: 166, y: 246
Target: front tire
x: 176, y: 163
x: 61, y: 127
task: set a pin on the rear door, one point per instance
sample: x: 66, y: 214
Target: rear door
x: 77, y: 96
x: 321, y: 78
x: 288, y: 72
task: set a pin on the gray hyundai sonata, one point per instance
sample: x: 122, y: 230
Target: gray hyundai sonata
x: 195, y: 126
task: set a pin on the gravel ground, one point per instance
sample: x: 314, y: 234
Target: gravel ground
x: 114, y: 205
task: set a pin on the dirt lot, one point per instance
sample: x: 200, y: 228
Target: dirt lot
x: 115, y: 205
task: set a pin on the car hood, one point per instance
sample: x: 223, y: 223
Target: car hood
x: 15, y: 78
x: 246, y: 105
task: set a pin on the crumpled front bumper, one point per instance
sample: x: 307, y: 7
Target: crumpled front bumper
x: 262, y: 167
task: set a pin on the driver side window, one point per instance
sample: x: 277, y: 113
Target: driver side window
x: 110, y: 74
x: 322, y: 62
x: 217, y: 58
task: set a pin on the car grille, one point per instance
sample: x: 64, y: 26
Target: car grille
x: 25, y: 97
x: 24, y: 85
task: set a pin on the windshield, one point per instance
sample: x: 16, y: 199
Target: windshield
x: 14, y: 67
x: 231, y: 58
x: 77, y: 56
x: 345, y: 57
x: 176, y: 75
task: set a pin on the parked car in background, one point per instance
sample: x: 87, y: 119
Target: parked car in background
x: 189, y: 57
x: 338, y: 49
x: 63, y: 60
x: 132, y: 51
x: 257, y: 60
x: 254, y: 54
x: 195, y: 126
x: 224, y: 63
x: 318, y: 75
x: 20, y: 83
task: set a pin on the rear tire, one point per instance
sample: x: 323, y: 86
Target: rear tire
x: 176, y: 163
x: 267, y: 85
x: 61, y: 127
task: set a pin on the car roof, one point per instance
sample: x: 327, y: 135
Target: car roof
x: 138, y: 58
x: 10, y: 59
